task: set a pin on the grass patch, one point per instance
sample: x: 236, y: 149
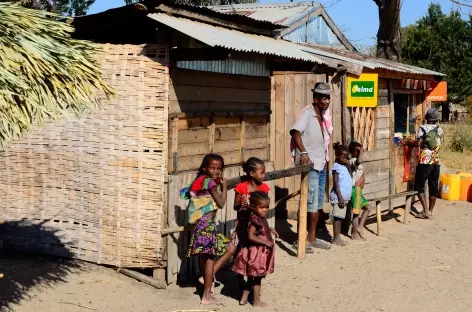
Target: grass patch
x: 456, y: 149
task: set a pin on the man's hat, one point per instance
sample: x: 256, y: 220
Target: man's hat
x: 433, y: 114
x: 321, y: 88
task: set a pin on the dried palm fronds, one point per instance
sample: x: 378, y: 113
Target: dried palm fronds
x: 44, y: 73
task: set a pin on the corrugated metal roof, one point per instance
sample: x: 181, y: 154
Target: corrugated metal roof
x: 235, y: 40
x: 284, y: 14
x: 366, y: 61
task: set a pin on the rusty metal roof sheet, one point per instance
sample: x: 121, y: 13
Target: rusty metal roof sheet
x: 366, y: 61
x: 284, y: 14
x: 215, y: 36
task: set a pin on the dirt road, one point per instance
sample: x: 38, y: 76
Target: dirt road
x: 424, y: 266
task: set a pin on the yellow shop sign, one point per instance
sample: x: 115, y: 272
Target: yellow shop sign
x: 362, y: 91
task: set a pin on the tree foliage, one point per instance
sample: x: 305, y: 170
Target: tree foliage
x: 442, y: 42
x: 44, y: 73
x: 63, y: 7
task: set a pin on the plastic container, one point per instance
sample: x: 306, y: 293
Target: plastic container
x: 466, y: 189
x: 451, y: 187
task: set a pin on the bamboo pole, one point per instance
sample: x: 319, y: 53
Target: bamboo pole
x: 379, y: 216
x: 302, y: 218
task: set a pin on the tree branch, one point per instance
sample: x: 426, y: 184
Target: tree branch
x: 459, y: 3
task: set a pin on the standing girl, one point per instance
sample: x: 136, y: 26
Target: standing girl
x: 205, y: 199
x: 253, y: 181
x: 255, y: 258
x: 342, y: 188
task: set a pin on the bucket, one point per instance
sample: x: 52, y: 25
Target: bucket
x: 451, y: 187
x: 466, y: 189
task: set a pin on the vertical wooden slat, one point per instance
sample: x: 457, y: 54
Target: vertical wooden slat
x: 392, y: 145
x: 289, y: 119
x: 242, y: 137
x: 212, y: 134
x: 371, y: 140
x: 175, y: 143
x: 273, y: 104
x: 280, y: 125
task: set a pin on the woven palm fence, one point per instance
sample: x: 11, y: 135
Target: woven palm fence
x: 97, y: 182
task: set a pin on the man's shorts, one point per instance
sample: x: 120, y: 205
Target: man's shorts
x: 316, y: 190
x: 430, y: 173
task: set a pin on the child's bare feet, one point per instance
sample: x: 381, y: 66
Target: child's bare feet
x: 260, y: 304
x: 355, y: 236
x: 208, y: 300
x: 201, y: 281
x: 361, y: 233
x: 339, y: 242
x: 243, y: 300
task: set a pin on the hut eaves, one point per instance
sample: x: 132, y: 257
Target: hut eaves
x: 215, y: 36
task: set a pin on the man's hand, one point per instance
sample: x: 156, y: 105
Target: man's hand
x: 304, y: 159
x: 341, y: 203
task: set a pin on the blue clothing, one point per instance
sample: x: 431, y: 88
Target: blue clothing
x: 345, y: 183
x: 316, y: 190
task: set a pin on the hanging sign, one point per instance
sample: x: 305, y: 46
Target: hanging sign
x: 437, y: 93
x: 362, y: 91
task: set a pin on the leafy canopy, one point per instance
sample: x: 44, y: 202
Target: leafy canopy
x: 44, y: 73
x: 63, y: 7
x: 442, y: 42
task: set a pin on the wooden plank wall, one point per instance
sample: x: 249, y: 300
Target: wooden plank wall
x: 177, y: 244
x: 377, y: 161
x: 291, y: 93
x: 224, y: 114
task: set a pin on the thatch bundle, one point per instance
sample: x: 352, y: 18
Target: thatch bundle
x: 44, y: 73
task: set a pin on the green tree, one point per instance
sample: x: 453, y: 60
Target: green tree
x: 442, y: 42
x: 63, y: 7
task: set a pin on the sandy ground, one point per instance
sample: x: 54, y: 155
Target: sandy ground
x: 423, y: 266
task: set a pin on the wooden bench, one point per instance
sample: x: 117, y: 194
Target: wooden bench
x: 408, y: 195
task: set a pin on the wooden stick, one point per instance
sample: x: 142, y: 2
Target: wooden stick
x: 172, y: 230
x: 143, y: 278
x: 288, y: 197
x: 407, y: 208
x: 379, y: 217
x: 275, y: 175
x: 302, y: 219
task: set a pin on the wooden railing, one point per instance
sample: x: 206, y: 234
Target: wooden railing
x: 275, y: 175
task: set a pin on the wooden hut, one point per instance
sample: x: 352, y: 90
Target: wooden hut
x: 190, y: 81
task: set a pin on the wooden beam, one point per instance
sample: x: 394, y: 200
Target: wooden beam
x: 392, y: 144
x: 295, y: 25
x: 406, y: 91
x: 337, y: 32
x: 275, y: 175
x: 212, y: 20
x: 302, y: 216
x: 216, y: 113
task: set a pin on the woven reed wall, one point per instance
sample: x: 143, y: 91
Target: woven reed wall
x: 93, y: 188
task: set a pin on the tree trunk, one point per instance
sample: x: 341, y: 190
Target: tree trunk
x: 389, y: 44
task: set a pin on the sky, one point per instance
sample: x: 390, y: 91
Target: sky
x: 358, y: 19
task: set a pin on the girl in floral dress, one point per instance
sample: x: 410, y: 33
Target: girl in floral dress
x: 205, y: 199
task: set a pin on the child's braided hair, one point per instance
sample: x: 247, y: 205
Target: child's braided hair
x: 206, y: 161
x: 251, y: 164
x: 257, y: 197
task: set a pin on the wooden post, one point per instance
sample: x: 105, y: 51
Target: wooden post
x: 392, y: 144
x: 407, y: 208
x: 379, y: 216
x: 302, y: 219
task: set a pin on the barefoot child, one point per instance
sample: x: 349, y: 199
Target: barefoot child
x: 255, y: 257
x: 205, y: 199
x: 359, y: 203
x: 342, y: 188
x: 253, y: 181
